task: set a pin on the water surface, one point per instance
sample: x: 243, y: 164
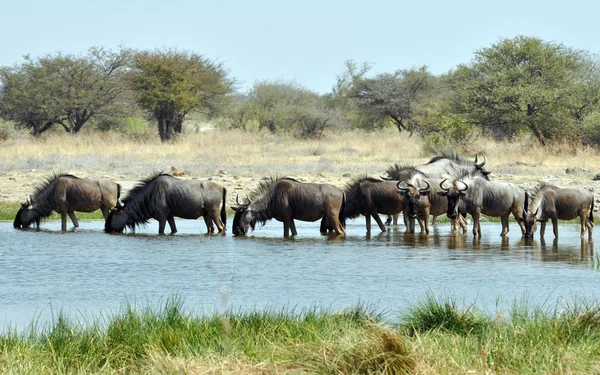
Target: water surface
x: 86, y: 272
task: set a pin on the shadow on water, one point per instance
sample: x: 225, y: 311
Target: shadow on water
x: 88, y: 270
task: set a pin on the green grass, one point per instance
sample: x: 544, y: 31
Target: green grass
x: 431, y: 336
x: 8, y: 210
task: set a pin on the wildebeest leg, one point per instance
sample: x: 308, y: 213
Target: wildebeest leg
x: 388, y: 221
x: 368, y: 222
x: 555, y: 226
x: 209, y: 225
x: 293, y: 227
x: 73, y: 219
x: 504, y: 221
x: 162, y: 222
x: 105, y: 212
x: 542, y: 229
x: 379, y: 222
x: 323, y: 227
x: 584, y: 220
x: 335, y: 225
x: 395, y: 219
x: 476, y: 224
x: 63, y: 221
x: 172, y: 225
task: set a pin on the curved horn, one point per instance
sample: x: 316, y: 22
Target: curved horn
x: 385, y: 176
x: 425, y: 188
x: 480, y: 165
x: 248, y: 200
x: 402, y: 187
x: 237, y: 201
x: 464, y: 183
x: 442, y: 185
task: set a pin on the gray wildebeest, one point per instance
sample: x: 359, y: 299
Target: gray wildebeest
x: 445, y: 165
x: 551, y: 202
x: 286, y: 200
x: 164, y: 197
x: 370, y: 197
x: 491, y: 198
x: 420, y: 202
x: 65, y: 194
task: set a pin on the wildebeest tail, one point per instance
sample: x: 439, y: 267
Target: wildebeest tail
x: 342, y: 214
x: 223, y: 211
x: 591, y: 217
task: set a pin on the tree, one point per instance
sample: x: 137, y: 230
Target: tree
x: 62, y: 89
x: 169, y: 84
x: 520, y: 83
x: 393, y: 96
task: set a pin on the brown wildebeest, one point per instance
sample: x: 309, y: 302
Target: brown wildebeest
x: 370, y: 197
x: 164, y: 197
x: 420, y: 202
x: 65, y: 194
x: 285, y: 199
x: 551, y: 202
x: 491, y: 198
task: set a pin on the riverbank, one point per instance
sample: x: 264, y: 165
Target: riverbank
x: 239, y: 160
x: 430, y: 337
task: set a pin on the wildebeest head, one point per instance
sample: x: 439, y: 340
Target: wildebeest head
x: 412, y: 195
x: 453, y: 194
x: 530, y: 219
x: 243, y: 219
x: 116, y: 221
x: 26, y: 215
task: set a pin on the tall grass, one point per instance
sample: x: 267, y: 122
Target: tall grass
x: 431, y: 337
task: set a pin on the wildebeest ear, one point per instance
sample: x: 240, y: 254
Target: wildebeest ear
x: 24, y: 205
x: 442, y: 193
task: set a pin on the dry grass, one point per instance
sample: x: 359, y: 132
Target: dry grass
x: 247, y: 156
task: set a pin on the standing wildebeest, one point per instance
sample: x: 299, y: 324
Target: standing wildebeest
x: 285, y: 199
x: 163, y: 197
x: 65, y: 193
x: 370, y: 197
x: 420, y: 202
x: 445, y: 165
x: 551, y: 202
x: 491, y: 198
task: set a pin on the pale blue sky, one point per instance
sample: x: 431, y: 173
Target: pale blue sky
x: 305, y: 41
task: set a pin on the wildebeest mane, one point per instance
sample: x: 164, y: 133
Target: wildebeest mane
x: 402, y: 172
x: 138, y: 201
x: 536, y: 195
x: 264, y: 202
x: 450, y: 155
x: 43, y: 195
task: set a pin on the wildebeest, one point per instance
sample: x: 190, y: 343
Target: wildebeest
x: 65, y: 193
x: 445, y: 165
x: 164, y: 197
x: 422, y: 199
x: 491, y: 198
x: 551, y: 202
x: 286, y: 200
x: 370, y: 197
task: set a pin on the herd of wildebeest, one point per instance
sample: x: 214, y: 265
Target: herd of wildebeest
x: 448, y: 184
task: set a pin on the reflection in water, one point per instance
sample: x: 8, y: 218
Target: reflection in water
x: 90, y: 270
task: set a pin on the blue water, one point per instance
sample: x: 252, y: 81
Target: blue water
x: 86, y: 273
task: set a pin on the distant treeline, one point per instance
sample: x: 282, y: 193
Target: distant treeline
x: 515, y: 87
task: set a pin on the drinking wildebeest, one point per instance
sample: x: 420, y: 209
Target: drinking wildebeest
x: 445, y: 165
x: 285, y: 199
x: 65, y: 193
x: 370, y: 197
x: 491, y: 198
x: 163, y: 197
x: 420, y: 202
x: 551, y: 202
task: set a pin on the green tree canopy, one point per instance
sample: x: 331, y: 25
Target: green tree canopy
x: 522, y: 83
x: 393, y: 96
x: 169, y: 84
x: 62, y: 89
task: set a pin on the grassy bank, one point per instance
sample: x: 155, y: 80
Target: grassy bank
x: 431, y: 337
